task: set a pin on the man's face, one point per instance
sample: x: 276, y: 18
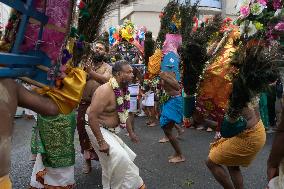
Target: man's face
x: 99, y: 52
x: 126, y: 75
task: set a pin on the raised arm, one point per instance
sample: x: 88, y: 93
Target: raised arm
x: 101, y: 78
x: 40, y: 104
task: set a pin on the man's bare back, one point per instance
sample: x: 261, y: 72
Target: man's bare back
x: 11, y: 96
x: 169, y: 83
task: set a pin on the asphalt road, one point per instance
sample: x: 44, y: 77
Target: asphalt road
x: 151, y: 159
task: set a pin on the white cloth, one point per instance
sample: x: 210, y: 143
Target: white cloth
x: 133, y: 89
x: 118, y: 169
x: 278, y: 182
x: 148, y: 99
x: 28, y: 111
x: 63, y: 176
x: 133, y: 105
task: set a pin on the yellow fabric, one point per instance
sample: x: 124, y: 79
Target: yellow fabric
x: 70, y: 95
x: 154, y: 65
x: 5, y: 182
x: 240, y: 150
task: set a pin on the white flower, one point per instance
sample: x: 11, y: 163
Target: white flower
x: 248, y: 30
x: 256, y: 8
x: 119, y: 100
x: 127, y: 97
x: 113, y: 83
x: 123, y: 116
x: 277, y: 12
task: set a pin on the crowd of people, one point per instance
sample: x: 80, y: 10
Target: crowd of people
x: 98, y: 122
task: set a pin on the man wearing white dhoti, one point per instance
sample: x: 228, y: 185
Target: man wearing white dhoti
x: 107, y: 113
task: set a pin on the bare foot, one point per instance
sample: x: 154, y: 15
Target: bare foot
x: 172, y: 156
x: 177, y: 159
x: 180, y: 132
x: 164, y: 140
x: 87, y: 168
x: 153, y: 124
x: 209, y: 129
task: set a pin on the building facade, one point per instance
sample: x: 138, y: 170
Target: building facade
x: 146, y: 12
x: 4, y: 15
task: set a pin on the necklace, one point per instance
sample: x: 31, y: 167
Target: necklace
x: 122, y: 100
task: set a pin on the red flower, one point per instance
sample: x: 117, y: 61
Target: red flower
x: 82, y: 5
x: 9, y: 26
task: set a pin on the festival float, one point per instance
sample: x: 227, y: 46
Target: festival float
x: 40, y: 46
x: 258, y: 59
x: 127, y: 42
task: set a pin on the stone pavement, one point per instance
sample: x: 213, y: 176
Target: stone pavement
x: 151, y: 159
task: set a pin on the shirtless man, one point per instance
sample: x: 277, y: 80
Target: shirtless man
x: 99, y: 73
x: 11, y: 96
x: 172, y: 112
x: 116, y: 158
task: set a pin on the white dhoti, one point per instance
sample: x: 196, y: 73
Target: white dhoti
x: 53, y: 177
x: 278, y: 182
x: 118, y: 169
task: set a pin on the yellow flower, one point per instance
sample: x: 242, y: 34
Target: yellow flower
x: 125, y: 34
x: 258, y: 26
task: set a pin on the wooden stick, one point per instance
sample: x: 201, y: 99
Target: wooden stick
x: 33, y: 82
x: 43, y: 68
x: 49, y: 26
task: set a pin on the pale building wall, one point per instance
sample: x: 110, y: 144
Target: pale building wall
x: 4, y: 15
x: 149, y: 19
x: 230, y: 8
x: 146, y: 13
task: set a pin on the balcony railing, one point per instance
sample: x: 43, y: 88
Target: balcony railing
x: 208, y: 3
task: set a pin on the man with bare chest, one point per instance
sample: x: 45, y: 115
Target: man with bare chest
x: 11, y: 96
x: 99, y: 73
x: 172, y: 112
x: 109, y: 110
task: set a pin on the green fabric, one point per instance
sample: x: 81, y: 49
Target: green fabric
x: 229, y: 129
x: 188, y: 106
x: 57, y: 137
x: 36, y: 143
x: 263, y: 109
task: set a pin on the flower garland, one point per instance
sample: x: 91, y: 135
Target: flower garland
x: 123, y: 101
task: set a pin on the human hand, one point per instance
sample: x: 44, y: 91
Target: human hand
x: 88, y: 68
x: 272, y: 172
x: 133, y: 137
x: 104, y: 147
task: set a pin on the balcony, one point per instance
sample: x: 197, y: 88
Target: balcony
x: 217, y: 4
